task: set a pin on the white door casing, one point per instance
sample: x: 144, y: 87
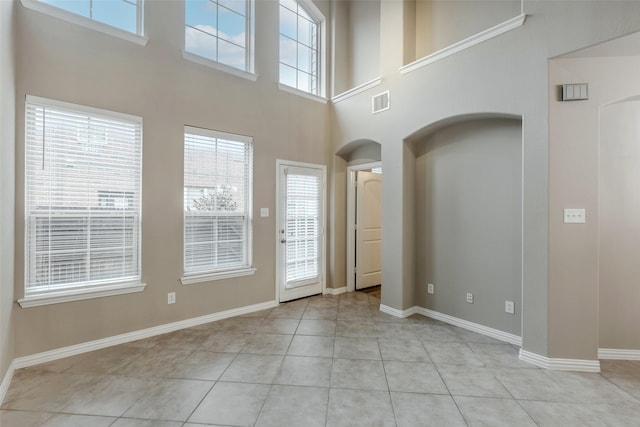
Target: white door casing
x: 300, y: 236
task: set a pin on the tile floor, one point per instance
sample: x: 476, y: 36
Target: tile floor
x: 321, y: 361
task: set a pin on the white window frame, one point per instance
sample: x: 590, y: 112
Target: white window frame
x: 79, y: 290
x: 249, y: 72
x: 189, y: 278
x: 320, y: 20
x: 56, y: 12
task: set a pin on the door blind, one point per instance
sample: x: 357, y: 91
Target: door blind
x: 302, y: 226
x: 217, y: 201
x: 82, y: 200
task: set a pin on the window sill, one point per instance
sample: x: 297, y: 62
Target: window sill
x: 82, y: 294
x: 219, y: 66
x: 209, y: 277
x: 301, y: 93
x: 84, y: 22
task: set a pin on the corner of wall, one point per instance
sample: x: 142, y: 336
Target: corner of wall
x: 7, y: 191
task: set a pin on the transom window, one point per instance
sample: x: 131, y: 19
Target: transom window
x: 219, y: 30
x: 218, y: 174
x: 82, y: 198
x: 126, y: 15
x: 299, y: 47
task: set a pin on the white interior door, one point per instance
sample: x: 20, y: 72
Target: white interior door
x: 368, y: 229
x: 301, y: 214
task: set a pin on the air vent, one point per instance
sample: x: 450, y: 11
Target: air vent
x: 575, y: 92
x: 380, y: 102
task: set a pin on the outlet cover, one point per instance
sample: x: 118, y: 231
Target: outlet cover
x: 430, y: 288
x: 509, y: 307
x: 469, y: 297
x: 171, y: 298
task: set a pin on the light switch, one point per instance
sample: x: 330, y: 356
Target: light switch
x: 575, y: 216
x: 264, y: 212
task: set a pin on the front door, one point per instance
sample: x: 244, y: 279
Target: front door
x: 300, y: 217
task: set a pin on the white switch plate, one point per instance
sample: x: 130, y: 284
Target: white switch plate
x: 575, y: 216
x: 509, y: 307
x: 430, y: 288
x: 469, y: 297
x: 264, y: 212
x: 171, y: 298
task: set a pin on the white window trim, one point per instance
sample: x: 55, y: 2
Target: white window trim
x: 221, y: 275
x: 80, y: 294
x: 286, y: 88
x: 315, y: 13
x: 190, y: 279
x: 201, y: 60
x: 55, y: 12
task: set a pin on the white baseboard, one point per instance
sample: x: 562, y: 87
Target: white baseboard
x: 558, y: 364
x: 6, y: 381
x: 398, y: 313
x: 48, y: 356
x: 471, y: 326
x: 618, y: 354
x: 335, y: 291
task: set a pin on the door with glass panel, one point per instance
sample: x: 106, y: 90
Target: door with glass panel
x: 300, y: 232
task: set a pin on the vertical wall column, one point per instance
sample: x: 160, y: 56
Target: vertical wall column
x: 391, y: 36
x: 398, y: 225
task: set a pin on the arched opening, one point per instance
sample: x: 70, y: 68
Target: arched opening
x: 468, y: 219
x: 618, y: 225
x: 363, y: 215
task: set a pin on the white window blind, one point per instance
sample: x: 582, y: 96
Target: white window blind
x: 218, y: 174
x: 303, y: 225
x: 82, y: 197
x: 299, y: 47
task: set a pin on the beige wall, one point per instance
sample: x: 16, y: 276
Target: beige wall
x: 577, y: 289
x: 66, y: 62
x: 506, y: 75
x: 7, y: 183
x: 357, y: 43
x: 441, y: 23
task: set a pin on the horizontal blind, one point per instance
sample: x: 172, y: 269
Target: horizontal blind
x: 218, y: 172
x: 302, y: 225
x: 82, y: 201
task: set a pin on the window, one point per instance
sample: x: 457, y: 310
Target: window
x: 219, y: 30
x: 299, y: 47
x: 218, y: 169
x: 125, y: 15
x: 82, y: 198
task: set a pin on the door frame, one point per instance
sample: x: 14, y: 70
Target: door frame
x: 351, y: 219
x: 323, y: 239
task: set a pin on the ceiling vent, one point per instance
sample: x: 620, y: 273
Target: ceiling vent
x: 575, y: 92
x: 380, y: 102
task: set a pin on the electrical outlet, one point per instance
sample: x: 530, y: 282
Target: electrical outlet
x: 430, y: 288
x: 469, y: 297
x: 509, y: 307
x: 171, y: 298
